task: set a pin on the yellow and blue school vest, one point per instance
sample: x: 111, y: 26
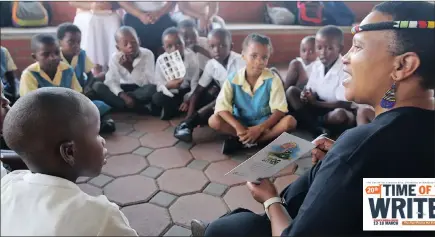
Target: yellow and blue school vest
x: 251, y: 110
x: 79, y: 70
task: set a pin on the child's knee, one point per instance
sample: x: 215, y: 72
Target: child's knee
x: 293, y: 93
x: 289, y: 122
x: 339, y: 116
x: 215, y: 122
x: 295, y: 65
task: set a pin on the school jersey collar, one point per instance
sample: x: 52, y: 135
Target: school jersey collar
x: 338, y: 65
x: 74, y: 59
x: 37, y: 68
x: 240, y: 80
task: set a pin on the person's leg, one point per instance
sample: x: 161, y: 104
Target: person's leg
x: 339, y: 120
x: 364, y: 116
x: 293, y: 95
x: 105, y: 94
x: 287, y: 123
x: 168, y: 105
x: 144, y: 94
x: 295, y: 74
x: 217, y: 123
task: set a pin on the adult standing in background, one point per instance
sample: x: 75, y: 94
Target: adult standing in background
x: 149, y: 19
x: 98, y: 22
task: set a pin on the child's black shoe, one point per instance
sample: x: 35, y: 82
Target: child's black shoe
x: 231, y: 145
x: 107, y: 126
x: 183, y: 132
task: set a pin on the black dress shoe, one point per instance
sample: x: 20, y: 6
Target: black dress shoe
x: 107, y: 126
x: 198, y: 227
x: 183, y: 132
x: 231, y: 145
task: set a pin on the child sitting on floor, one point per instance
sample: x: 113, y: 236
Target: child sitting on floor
x: 46, y: 198
x: 194, y: 42
x: 321, y: 106
x: 7, y: 75
x: 129, y: 80
x: 201, y: 104
x: 251, y: 105
x: 299, y: 69
x: 69, y: 37
x: 173, y: 96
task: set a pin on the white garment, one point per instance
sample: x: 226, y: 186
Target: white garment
x: 98, y: 34
x: 216, y: 71
x: 150, y: 6
x: 203, y: 42
x: 43, y: 205
x: 142, y: 74
x: 3, y: 170
x: 308, y: 68
x: 328, y: 87
x: 190, y: 79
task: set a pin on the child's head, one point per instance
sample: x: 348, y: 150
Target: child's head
x: 127, y: 41
x: 173, y: 41
x: 256, y: 52
x: 221, y: 43
x: 189, y: 32
x: 329, y: 44
x: 4, y: 107
x: 45, y: 50
x: 70, y: 37
x: 55, y: 131
x: 308, y: 50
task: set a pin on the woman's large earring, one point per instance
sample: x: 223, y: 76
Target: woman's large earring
x: 389, y: 99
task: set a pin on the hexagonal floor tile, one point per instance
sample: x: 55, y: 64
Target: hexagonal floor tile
x: 121, y: 144
x: 123, y: 128
x: 124, y: 165
x: 175, y: 121
x: 181, y: 181
x: 210, y: 152
x: 216, y: 173
x: 151, y: 125
x: 130, y: 190
x: 178, y: 231
x: 284, y: 181
x: 158, y: 140
x: 123, y: 116
x: 90, y: 189
x: 168, y: 158
x: 147, y: 219
x: 186, y: 208
x: 240, y: 196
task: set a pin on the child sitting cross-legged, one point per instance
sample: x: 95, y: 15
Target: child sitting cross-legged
x: 69, y: 36
x: 44, y: 200
x: 251, y: 106
x: 7, y: 75
x: 173, y: 96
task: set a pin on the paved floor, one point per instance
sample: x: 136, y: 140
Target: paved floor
x: 161, y: 183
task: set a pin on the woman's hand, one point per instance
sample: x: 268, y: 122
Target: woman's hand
x: 323, y: 145
x: 263, y: 191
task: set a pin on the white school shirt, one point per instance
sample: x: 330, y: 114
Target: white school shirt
x: 216, y: 71
x: 308, y: 68
x: 150, y: 6
x: 190, y: 79
x: 328, y: 87
x: 44, y: 205
x: 203, y: 42
x: 142, y: 74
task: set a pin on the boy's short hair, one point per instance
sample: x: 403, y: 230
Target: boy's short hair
x: 310, y: 38
x: 420, y: 41
x: 44, y: 117
x: 332, y: 31
x: 187, y: 23
x: 125, y: 29
x: 257, y: 38
x: 221, y: 32
x: 171, y: 31
x: 41, y: 39
x: 66, y: 27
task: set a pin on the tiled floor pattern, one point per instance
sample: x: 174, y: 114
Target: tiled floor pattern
x: 161, y: 183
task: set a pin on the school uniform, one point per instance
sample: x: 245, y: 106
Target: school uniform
x: 44, y: 205
x: 7, y: 65
x: 308, y: 67
x: 149, y: 34
x: 138, y: 84
x: 33, y: 77
x: 252, y: 107
x: 202, y: 59
x: 82, y: 66
x: 171, y: 99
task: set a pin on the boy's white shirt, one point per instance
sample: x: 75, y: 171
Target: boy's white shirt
x: 216, y: 71
x: 142, y: 74
x: 202, y: 41
x: 191, y: 78
x: 308, y: 68
x: 328, y: 87
x: 41, y: 205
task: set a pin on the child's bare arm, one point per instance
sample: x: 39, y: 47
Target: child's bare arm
x: 232, y: 121
x: 201, y: 50
x: 272, y: 120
